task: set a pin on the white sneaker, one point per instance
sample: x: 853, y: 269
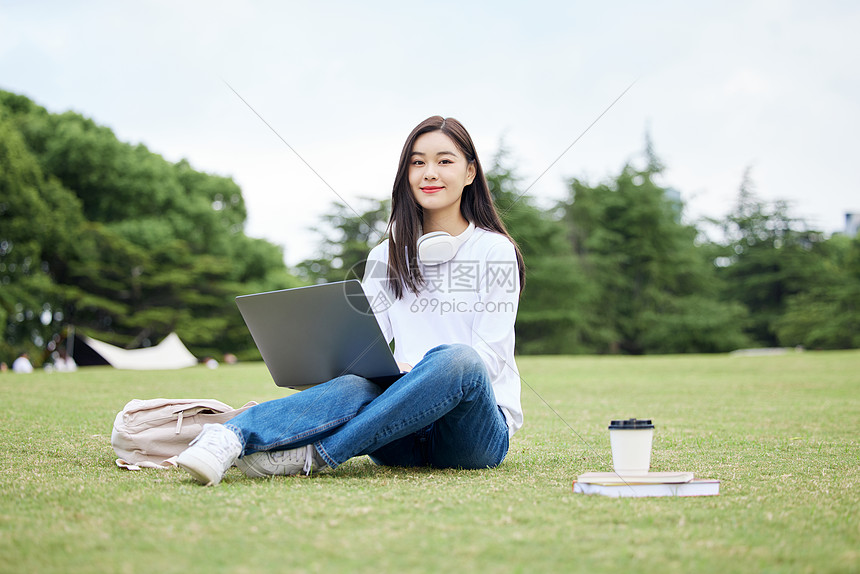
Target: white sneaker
x: 210, y: 454
x: 281, y: 462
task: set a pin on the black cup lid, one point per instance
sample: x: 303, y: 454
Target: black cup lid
x: 631, y: 424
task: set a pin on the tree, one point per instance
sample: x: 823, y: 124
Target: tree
x: 767, y: 257
x: 656, y: 287
x: 826, y: 314
x: 119, y: 242
x: 552, y: 316
x: 347, y: 236
x: 36, y: 217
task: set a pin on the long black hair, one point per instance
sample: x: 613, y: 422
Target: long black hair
x: 404, y: 227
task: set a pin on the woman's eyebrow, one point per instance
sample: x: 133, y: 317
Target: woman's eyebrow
x: 437, y: 153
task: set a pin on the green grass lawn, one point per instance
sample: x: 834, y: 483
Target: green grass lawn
x: 780, y: 432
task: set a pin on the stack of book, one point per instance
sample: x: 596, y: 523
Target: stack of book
x: 645, y: 484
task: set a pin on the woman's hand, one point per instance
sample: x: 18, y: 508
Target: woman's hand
x: 404, y: 367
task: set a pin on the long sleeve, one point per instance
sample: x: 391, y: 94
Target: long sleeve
x: 374, y: 285
x: 493, y: 327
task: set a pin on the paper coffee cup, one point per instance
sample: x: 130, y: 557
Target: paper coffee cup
x: 631, y: 445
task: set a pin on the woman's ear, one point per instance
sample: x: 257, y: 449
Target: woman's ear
x: 470, y: 173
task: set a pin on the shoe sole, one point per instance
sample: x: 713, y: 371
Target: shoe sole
x: 202, y: 471
x: 259, y: 469
x: 249, y: 470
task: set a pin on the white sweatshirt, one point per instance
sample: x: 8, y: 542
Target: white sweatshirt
x: 471, y: 299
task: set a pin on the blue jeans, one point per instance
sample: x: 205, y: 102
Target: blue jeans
x: 442, y: 413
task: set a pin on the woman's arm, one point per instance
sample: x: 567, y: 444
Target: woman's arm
x: 374, y: 286
x: 499, y: 292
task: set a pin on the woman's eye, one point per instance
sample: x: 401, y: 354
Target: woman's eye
x: 417, y: 162
x: 446, y: 161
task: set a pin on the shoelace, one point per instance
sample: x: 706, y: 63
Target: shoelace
x: 295, y: 455
x: 309, y: 460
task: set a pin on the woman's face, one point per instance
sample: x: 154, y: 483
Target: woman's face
x: 438, y: 172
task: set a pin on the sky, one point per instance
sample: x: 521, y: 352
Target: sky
x: 307, y: 103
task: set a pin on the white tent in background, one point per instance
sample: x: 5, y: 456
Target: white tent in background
x: 170, y: 353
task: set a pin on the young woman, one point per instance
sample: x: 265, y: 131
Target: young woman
x: 445, y: 287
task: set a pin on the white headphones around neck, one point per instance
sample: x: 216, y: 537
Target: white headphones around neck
x: 438, y: 247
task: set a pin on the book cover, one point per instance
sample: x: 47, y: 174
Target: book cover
x: 611, y: 478
x: 645, y: 485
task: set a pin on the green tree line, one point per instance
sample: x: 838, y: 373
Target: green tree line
x: 117, y: 241
x: 127, y: 247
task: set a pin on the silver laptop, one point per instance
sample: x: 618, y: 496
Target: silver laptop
x: 309, y: 335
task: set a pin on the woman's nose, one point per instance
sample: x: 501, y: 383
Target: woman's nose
x: 430, y: 172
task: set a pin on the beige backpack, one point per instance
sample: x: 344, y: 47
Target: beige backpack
x: 151, y: 433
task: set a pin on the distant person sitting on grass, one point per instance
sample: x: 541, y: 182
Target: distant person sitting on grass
x: 451, y: 317
x: 64, y: 362
x: 22, y: 364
